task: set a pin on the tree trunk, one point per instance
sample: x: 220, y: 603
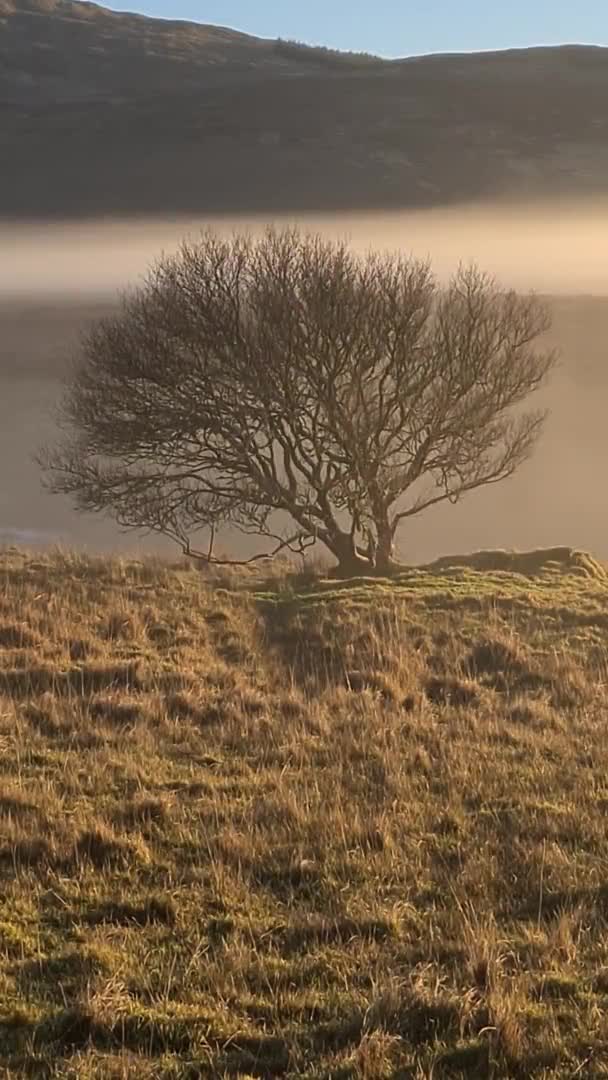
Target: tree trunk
x: 355, y: 562
x: 351, y: 561
x: 355, y: 565
x: 385, y: 563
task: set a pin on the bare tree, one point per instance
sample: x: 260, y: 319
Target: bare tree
x: 251, y: 382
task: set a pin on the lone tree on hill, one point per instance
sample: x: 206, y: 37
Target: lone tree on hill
x: 253, y: 382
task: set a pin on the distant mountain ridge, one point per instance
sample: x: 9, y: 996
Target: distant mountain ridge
x: 109, y: 113
x: 61, y: 50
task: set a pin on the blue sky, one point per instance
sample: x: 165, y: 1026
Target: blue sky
x: 398, y: 27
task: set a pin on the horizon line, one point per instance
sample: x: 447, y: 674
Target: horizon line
x: 490, y: 50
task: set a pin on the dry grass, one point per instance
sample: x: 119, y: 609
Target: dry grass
x: 301, y: 829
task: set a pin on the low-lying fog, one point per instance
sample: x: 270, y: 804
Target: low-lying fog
x: 552, y: 248
x: 55, y: 278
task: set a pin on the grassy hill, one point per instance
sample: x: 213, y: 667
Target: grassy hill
x: 111, y: 113
x: 294, y: 828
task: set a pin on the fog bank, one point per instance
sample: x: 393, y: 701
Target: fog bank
x: 553, y: 247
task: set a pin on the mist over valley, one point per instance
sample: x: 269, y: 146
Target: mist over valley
x: 57, y: 278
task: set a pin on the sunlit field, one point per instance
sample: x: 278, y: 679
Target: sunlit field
x: 290, y: 827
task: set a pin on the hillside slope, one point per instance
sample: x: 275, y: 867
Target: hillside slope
x: 268, y: 829
x: 110, y: 113
x: 64, y: 50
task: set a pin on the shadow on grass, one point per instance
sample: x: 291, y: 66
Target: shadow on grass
x: 551, y: 905
x: 71, y: 1031
x: 326, y: 931
x: 152, y: 910
x: 77, y: 682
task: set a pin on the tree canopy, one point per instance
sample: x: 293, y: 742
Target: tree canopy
x: 253, y: 382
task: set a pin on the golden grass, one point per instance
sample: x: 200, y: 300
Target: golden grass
x: 302, y: 829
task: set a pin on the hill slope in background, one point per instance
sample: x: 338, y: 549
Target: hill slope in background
x: 112, y: 113
x: 242, y: 832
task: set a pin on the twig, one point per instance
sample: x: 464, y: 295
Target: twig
x: 302, y: 539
